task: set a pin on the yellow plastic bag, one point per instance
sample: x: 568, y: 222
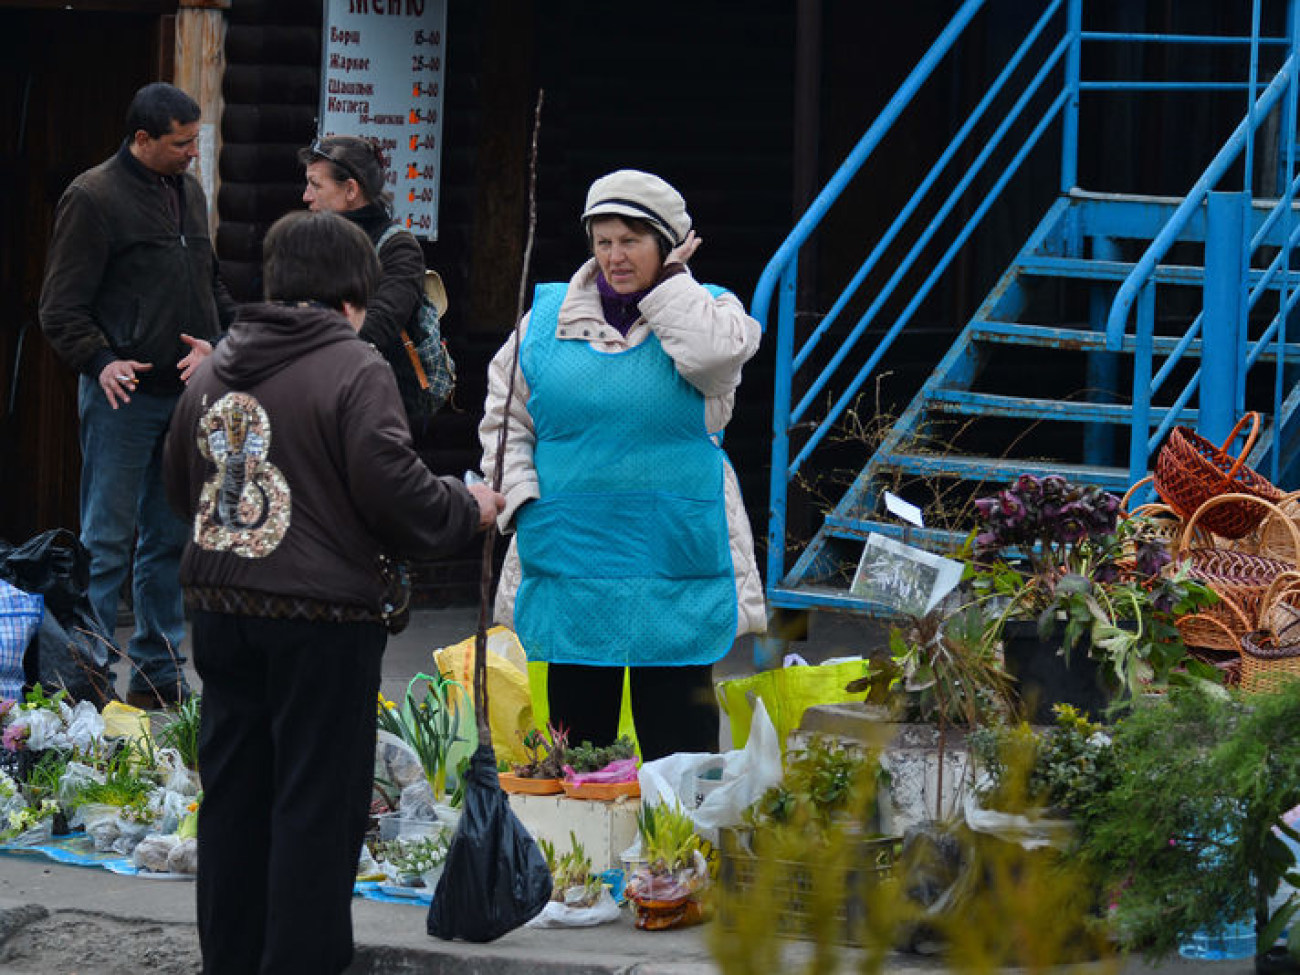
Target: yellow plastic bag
x: 787, y: 694
x: 123, y: 721
x: 510, y: 704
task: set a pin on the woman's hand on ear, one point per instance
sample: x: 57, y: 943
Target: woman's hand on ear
x: 684, y: 251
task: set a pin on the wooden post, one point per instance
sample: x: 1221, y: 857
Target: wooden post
x: 200, y: 63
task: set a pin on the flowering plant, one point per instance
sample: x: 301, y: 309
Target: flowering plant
x: 1057, y: 553
x: 429, y: 724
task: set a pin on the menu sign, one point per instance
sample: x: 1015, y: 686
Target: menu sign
x: 381, y: 79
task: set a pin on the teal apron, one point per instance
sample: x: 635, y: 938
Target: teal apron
x: 625, y: 554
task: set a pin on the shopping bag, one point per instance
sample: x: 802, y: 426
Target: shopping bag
x: 788, y: 693
x: 510, y: 703
x: 495, y: 878
x: 20, y: 616
x: 72, y: 645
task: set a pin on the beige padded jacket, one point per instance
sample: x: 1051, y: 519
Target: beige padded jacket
x: 709, y: 339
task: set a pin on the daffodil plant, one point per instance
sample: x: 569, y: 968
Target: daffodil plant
x: 427, y: 722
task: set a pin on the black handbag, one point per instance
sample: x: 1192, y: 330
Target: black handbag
x: 73, y: 648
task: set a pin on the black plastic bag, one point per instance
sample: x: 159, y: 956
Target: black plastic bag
x: 495, y: 878
x: 72, y: 648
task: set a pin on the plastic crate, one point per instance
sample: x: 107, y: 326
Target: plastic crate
x: 790, y: 884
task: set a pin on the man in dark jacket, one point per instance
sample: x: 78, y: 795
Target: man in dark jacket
x: 132, y: 302
x: 290, y: 455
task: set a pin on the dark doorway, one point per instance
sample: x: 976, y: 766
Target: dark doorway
x: 66, y: 77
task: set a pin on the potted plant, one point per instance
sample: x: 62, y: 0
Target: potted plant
x: 1055, y: 571
x: 594, y: 772
x: 543, y: 772
x: 573, y: 883
x: 948, y: 672
x: 666, y: 885
x: 415, y: 861
x: 428, y: 723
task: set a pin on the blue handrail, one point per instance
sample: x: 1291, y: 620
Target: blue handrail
x: 1057, y: 34
x: 789, y: 249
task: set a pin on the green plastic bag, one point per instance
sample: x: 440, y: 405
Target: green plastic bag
x: 787, y: 693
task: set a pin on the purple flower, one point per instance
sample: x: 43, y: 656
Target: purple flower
x: 1151, y: 557
x: 13, y: 737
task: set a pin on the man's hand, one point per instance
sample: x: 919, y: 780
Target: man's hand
x: 118, y: 380
x: 684, y: 251
x: 200, y: 349
x: 490, y: 504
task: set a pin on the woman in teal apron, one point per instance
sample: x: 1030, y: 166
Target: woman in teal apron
x: 631, y: 547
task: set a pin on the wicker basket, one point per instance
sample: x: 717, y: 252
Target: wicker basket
x: 1191, y: 470
x: 1273, y: 535
x: 1246, y: 584
x: 1269, y: 661
x: 790, y: 884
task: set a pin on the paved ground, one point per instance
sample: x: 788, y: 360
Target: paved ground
x: 59, y: 920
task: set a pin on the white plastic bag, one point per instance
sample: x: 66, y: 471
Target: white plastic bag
x: 557, y: 914
x: 746, y: 774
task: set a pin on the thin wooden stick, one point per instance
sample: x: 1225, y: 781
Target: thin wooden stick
x: 489, y: 545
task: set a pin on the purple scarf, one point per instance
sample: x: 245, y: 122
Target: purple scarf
x: 620, y: 310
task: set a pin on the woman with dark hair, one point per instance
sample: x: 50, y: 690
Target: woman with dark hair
x: 345, y: 175
x: 632, y: 547
x: 290, y: 461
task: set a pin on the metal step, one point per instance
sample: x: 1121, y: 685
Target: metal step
x: 1189, y: 275
x: 957, y: 402
x: 857, y: 529
x: 999, y: 470
x: 1085, y: 340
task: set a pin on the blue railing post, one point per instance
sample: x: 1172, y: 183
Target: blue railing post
x: 1223, y: 350
x: 1143, y: 352
x: 777, y: 496
x: 1070, y: 118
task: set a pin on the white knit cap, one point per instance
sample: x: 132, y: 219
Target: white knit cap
x: 632, y: 193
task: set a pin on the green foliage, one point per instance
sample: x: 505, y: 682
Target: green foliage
x: 668, y: 838
x: 126, y: 782
x: 1186, y: 837
x: 427, y: 723
x: 415, y: 855
x: 825, y: 782
x: 951, y: 671
x: 43, y: 778
x: 590, y: 758
x: 1062, y: 769
x: 569, y: 871
x: 182, y: 731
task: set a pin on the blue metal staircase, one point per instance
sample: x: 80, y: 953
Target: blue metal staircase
x: 1120, y: 316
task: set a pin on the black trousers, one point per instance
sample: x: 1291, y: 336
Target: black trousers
x: 286, y: 757
x: 674, y: 708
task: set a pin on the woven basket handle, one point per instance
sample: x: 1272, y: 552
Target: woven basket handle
x: 1206, y: 619
x: 1128, y: 495
x: 1286, y: 584
x: 1181, y: 544
x: 1253, y: 417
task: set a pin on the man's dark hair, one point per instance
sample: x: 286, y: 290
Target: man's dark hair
x: 318, y: 256
x: 156, y: 106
